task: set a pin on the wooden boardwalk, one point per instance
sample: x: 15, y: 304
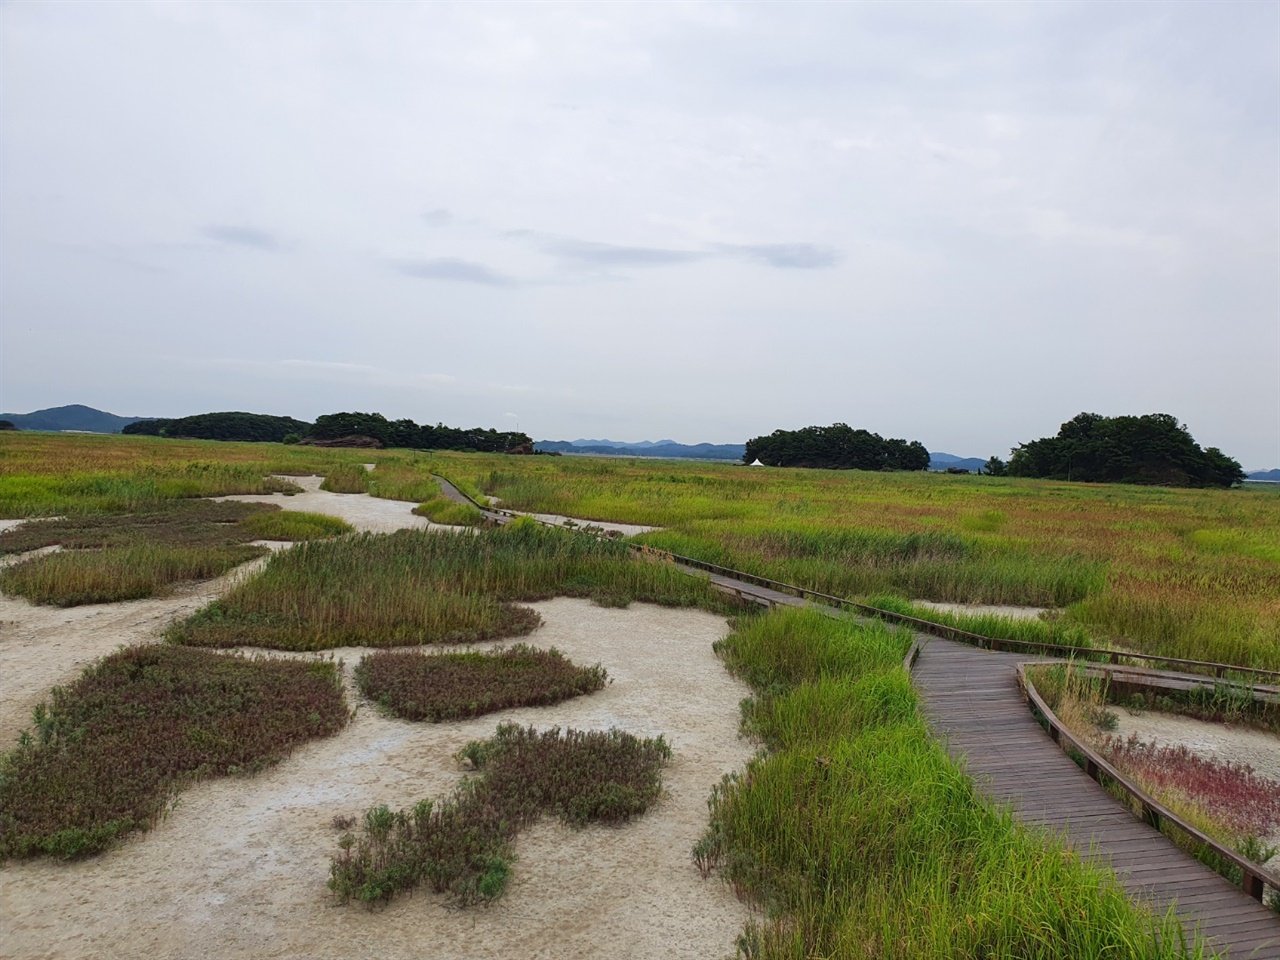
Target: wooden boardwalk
x: 972, y: 702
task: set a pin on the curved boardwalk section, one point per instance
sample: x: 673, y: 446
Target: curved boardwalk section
x: 972, y: 701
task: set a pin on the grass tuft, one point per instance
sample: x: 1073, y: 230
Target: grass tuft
x: 440, y: 509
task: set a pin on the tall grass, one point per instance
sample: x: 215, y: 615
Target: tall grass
x: 347, y: 478
x: 128, y: 557
x: 439, y: 509
x: 415, y: 587
x: 862, y: 838
x: 109, y: 753
x: 75, y: 577
x: 1188, y: 573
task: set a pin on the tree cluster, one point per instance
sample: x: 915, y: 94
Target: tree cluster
x: 406, y: 433
x: 837, y: 447
x: 333, y: 426
x: 1152, y: 449
x: 256, y: 427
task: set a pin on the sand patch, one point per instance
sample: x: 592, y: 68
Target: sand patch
x: 239, y: 869
x: 992, y: 609
x: 365, y: 513
x: 624, y: 529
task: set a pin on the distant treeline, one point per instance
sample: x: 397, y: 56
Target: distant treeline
x: 333, y: 426
x: 837, y: 447
x: 259, y: 427
x: 1153, y: 449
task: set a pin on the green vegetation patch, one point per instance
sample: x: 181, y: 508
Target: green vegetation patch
x: 106, y: 559
x: 1057, y: 631
x: 414, y: 587
x: 76, y: 577
x: 440, y: 509
x: 861, y: 837
x: 293, y: 525
x: 110, y: 751
x: 346, y: 478
x: 461, y: 844
x: 453, y: 686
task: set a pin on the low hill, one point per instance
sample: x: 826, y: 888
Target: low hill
x: 646, y: 448
x: 75, y: 416
x: 1272, y: 475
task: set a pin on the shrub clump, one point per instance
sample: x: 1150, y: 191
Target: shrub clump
x: 461, y: 844
x: 452, y: 686
x: 109, y: 752
x: 294, y: 525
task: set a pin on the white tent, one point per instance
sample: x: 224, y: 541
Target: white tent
x: 756, y: 463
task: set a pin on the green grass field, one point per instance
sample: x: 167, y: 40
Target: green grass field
x: 1186, y: 573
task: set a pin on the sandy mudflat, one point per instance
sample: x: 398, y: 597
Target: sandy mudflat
x: 362, y: 511
x: 238, y: 870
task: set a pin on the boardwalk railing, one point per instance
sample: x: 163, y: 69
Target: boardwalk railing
x: 1221, y: 670
x: 1254, y: 878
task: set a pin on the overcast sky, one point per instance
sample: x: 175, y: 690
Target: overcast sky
x: 960, y: 224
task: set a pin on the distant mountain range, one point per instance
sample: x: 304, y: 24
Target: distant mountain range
x: 75, y: 416
x: 1271, y: 475
x: 646, y: 448
x: 943, y: 461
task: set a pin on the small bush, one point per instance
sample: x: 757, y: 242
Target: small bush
x: 110, y: 751
x: 451, y: 686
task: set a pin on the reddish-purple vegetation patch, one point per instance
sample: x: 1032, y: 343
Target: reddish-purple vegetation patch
x: 451, y: 686
x: 461, y: 843
x: 110, y: 751
x: 1231, y: 793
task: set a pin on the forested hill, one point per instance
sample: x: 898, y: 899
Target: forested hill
x: 1153, y: 448
x: 75, y: 416
x: 837, y: 447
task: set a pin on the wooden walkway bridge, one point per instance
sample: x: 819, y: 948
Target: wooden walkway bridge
x: 974, y: 705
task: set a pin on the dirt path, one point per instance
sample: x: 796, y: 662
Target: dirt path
x: 239, y: 869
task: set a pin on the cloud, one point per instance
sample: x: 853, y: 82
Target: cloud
x: 591, y: 253
x: 242, y: 236
x: 450, y: 268
x: 784, y: 256
x: 438, y: 217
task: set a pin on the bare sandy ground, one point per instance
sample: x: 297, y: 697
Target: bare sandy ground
x: 239, y: 868
x: 362, y: 511
x: 625, y: 529
x: 1016, y: 613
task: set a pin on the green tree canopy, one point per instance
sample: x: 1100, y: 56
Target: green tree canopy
x: 1153, y: 449
x: 837, y: 447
